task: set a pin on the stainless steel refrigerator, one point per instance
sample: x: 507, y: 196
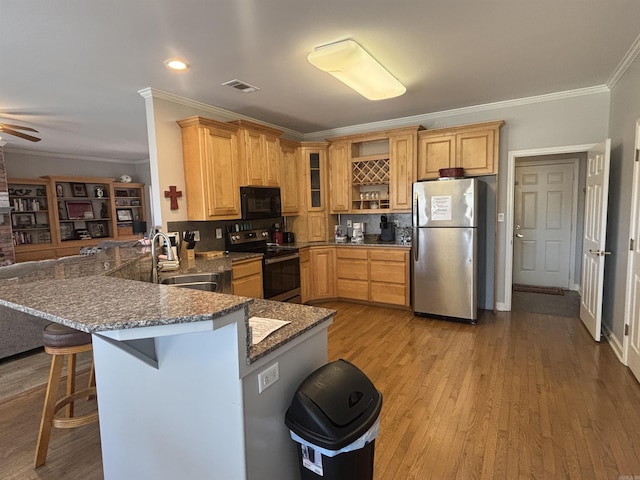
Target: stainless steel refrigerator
x: 447, y: 236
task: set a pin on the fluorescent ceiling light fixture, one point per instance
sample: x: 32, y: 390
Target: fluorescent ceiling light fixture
x: 176, y: 64
x: 351, y: 64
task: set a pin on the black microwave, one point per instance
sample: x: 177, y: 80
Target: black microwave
x: 260, y: 202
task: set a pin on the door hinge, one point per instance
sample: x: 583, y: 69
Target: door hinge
x: 637, y: 154
x: 626, y: 330
x: 631, y: 244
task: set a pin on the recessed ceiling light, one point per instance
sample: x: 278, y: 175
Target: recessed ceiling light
x: 176, y: 64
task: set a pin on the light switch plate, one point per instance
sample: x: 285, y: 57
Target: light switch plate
x: 501, y: 217
x: 218, y: 233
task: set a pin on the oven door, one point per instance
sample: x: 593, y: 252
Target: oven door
x: 281, y: 278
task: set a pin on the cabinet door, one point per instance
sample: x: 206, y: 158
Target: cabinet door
x: 475, y: 152
x: 222, y: 192
x: 271, y: 166
x: 340, y: 177
x: 251, y: 158
x: 402, y: 172
x: 306, y: 285
x: 322, y: 271
x: 315, y: 171
x: 289, y: 179
x: 317, y: 226
x: 435, y: 152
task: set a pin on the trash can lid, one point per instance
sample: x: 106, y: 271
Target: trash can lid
x: 334, y: 406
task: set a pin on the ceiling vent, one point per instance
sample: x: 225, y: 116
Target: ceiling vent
x: 242, y: 86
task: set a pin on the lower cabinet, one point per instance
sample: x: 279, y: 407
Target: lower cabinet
x: 247, y: 278
x: 378, y: 275
x: 375, y: 274
x: 322, y: 273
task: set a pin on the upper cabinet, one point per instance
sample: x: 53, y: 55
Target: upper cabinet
x: 209, y: 150
x: 258, y: 154
x: 373, y: 172
x: 475, y: 148
x: 289, y: 177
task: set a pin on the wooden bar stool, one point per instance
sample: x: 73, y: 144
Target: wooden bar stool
x: 60, y: 341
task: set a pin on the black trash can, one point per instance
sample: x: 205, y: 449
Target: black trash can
x: 334, y: 417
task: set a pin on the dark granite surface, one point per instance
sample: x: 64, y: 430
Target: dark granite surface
x: 101, y: 292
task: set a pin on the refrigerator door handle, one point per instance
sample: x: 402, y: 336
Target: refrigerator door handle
x: 415, y: 209
x: 414, y: 244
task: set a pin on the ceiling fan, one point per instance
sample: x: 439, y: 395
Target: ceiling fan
x: 12, y: 130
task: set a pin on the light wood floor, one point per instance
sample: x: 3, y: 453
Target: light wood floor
x: 518, y: 396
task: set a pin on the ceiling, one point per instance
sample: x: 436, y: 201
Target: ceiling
x: 72, y: 69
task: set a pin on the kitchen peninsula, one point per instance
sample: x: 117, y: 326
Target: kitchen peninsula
x: 177, y: 379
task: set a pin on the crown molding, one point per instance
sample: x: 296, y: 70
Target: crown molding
x: 624, y: 64
x: 37, y: 153
x: 427, y: 117
x: 220, y: 113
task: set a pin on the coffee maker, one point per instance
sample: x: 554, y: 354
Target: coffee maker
x: 357, y: 234
x: 387, y: 230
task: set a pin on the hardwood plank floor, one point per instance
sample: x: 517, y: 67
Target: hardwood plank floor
x: 518, y: 396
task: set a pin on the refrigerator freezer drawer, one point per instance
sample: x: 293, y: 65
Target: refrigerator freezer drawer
x: 444, y: 272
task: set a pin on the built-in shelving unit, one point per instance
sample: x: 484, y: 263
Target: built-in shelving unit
x: 129, y: 206
x: 370, y: 175
x: 30, y: 213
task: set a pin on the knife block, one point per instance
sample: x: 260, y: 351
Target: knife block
x: 188, y: 254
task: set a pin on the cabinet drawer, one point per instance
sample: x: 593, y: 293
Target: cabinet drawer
x: 247, y: 267
x: 389, y: 293
x: 353, y: 289
x: 356, y: 269
x: 250, y: 286
x: 388, y: 254
x: 352, y: 252
x: 389, y: 272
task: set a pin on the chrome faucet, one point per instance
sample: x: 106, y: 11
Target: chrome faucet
x: 155, y: 266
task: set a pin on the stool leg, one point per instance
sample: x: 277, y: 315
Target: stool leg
x: 48, y: 410
x: 92, y: 379
x: 71, y: 382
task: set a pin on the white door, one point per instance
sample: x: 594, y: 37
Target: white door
x: 543, y: 224
x: 593, y: 242
x: 632, y: 315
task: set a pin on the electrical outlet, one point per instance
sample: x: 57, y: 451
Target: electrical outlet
x: 349, y: 223
x: 218, y: 233
x: 268, y: 377
x: 196, y: 235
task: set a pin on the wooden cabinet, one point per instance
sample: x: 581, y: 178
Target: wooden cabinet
x: 322, y: 261
x: 340, y: 177
x: 34, y: 234
x: 312, y: 224
x: 247, y: 278
x: 84, y: 213
x: 129, y: 207
x: 55, y: 216
x: 403, y: 146
x: 472, y: 147
x: 352, y: 273
x: 306, y: 288
x: 373, y: 172
x: 378, y: 275
x: 210, y: 162
x: 289, y: 177
x: 258, y: 154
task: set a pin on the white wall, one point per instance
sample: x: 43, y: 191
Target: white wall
x: 32, y: 165
x: 625, y: 111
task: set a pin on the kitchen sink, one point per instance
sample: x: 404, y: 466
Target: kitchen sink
x: 209, y: 282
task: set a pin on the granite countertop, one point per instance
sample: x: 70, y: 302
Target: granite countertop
x: 302, y: 318
x: 369, y: 241
x: 114, y: 298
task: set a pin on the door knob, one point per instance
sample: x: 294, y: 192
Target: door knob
x: 519, y: 235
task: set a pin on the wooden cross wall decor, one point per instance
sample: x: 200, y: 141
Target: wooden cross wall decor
x: 174, y: 195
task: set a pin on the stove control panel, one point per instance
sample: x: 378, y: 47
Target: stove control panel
x: 247, y: 236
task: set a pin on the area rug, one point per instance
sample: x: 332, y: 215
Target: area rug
x: 536, y: 289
